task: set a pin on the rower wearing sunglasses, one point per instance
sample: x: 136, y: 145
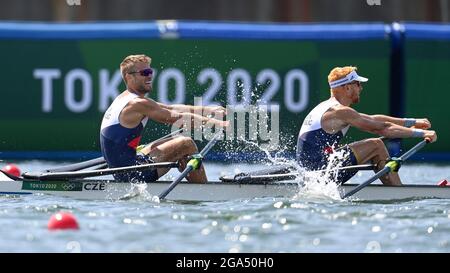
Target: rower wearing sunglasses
x: 325, y: 126
x: 126, y: 117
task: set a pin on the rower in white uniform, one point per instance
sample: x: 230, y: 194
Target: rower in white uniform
x: 325, y: 126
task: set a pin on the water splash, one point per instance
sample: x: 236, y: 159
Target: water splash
x: 275, y: 159
x: 322, y: 184
x: 138, y: 191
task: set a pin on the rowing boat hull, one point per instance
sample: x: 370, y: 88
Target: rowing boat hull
x: 212, y: 191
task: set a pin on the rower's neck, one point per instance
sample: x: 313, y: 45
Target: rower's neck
x: 135, y: 92
x: 342, y: 99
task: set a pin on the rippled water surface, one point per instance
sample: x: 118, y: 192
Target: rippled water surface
x: 301, y: 224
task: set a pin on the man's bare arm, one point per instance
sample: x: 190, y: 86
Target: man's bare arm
x: 195, y: 109
x: 384, y: 128
x: 382, y: 118
x: 421, y: 123
x: 154, y: 111
x: 181, y: 108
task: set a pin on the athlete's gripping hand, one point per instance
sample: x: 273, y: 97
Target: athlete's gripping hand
x: 216, y: 110
x: 422, y: 123
x: 430, y: 135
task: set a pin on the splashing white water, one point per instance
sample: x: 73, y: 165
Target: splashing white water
x: 322, y: 184
x: 139, y: 191
x: 313, y: 183
x: 276, y: 159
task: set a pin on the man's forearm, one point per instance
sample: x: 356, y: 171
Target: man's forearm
x: 197, y: 120
x: 186, y: 108
x: 383, y: 118
x: 395, y: 131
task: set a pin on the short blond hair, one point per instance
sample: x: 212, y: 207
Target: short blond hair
x: 338, y: 73
x: 127, y: 65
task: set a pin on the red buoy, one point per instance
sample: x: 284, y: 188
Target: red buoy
x: 443, y: 183
x: 62, y: 220
x: 12, y: 169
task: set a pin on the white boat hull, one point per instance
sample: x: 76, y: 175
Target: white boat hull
x: 212, y: 191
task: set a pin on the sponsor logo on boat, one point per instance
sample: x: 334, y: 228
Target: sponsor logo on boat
x: 64, y: 186
x: 51, y: 186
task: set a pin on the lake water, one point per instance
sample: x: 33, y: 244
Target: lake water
x: 306, y: 224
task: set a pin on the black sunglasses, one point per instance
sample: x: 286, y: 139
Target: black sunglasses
x: 144, y: 72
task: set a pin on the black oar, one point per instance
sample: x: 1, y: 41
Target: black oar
x: 79, y: 166
x: 193, y: 164
x: 92, y: 173
x: 391, y: 166
x: 172, y: 134
x: 100, y: 162
x: 283, y: 172
x: 362, y: 167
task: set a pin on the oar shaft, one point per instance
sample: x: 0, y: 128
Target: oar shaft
x: 208, y: 147
x: 79, y: 166
x: 390, y: 166
x: 414, y: 149
x: 92, y: 173
x: 176, y: 181
x: 362, y: 167
x: 379, y: 174
x: 192, y: 165
x: 284, y: 172
x: 172, y: 134
x: 100, y: 161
